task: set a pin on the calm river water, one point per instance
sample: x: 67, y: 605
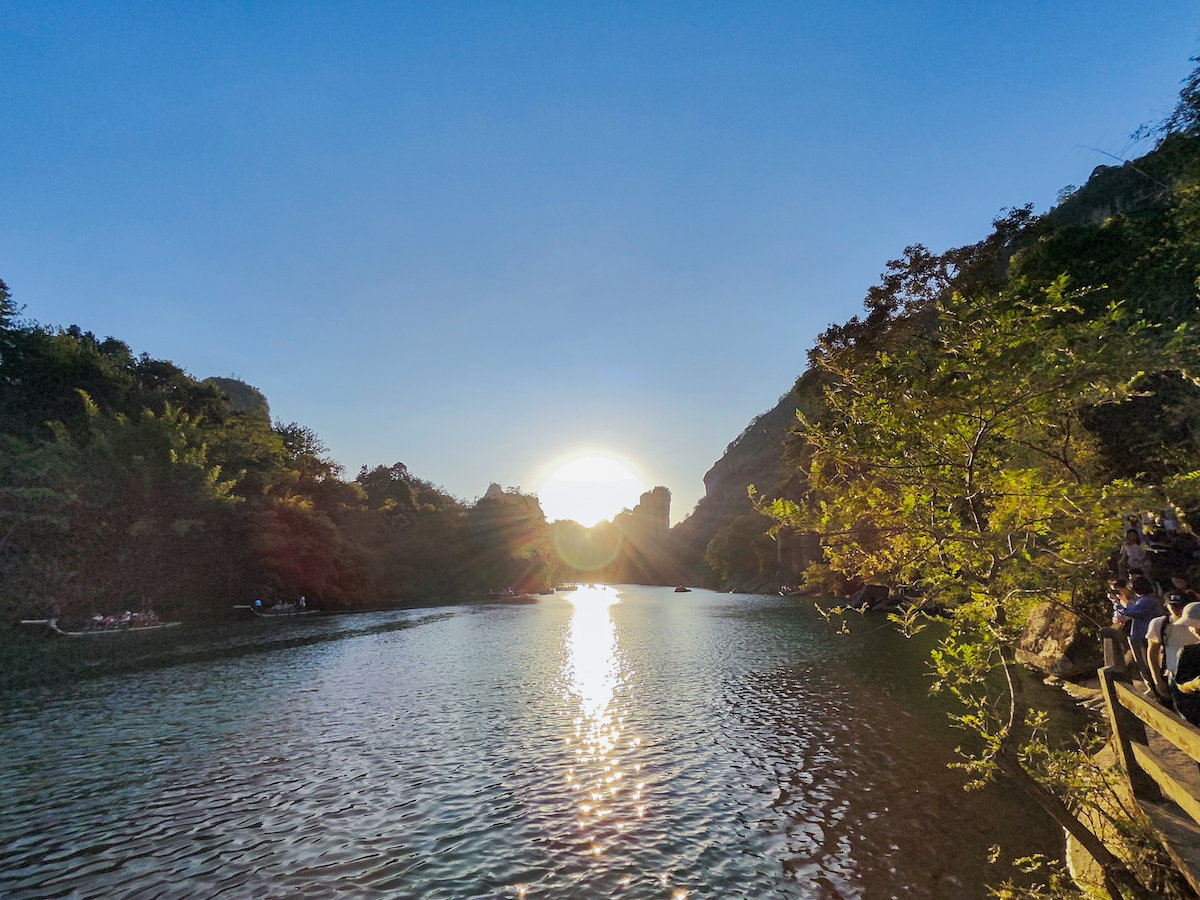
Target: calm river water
x: 623, y: 742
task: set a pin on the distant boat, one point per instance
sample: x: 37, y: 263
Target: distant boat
x: 51, y: 626
x: 276, y: 612
x: 683, y: 590
x: 511, y: 596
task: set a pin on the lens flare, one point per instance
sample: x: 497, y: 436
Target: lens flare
x: 589, y: 489
x: 587, y: 549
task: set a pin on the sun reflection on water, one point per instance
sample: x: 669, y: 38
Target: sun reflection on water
x: 595, y: 672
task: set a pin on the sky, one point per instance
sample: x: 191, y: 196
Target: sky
x: 479, y: 238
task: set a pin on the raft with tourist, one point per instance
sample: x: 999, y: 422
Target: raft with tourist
x: 126, y: 623
x: 280, y: 610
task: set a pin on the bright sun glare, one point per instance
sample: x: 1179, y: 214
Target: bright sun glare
x: 589, y: 489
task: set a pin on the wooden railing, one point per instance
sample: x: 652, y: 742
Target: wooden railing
x: 1160, y: 756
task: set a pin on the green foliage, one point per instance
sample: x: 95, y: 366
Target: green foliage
x: 242, y: 397
x: 743, y: 550
x: 120, y: 514
x: 125, y: 483
x: 960, y: 460
x: 984, y: 428
x: 8, y: 310
x: 508, y: 544
x: 956, y: 465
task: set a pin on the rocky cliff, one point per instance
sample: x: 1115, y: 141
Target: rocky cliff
x: 1088, y: 235
x: 754, y: 457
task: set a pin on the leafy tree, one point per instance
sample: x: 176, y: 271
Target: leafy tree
x: 8, y: 310
x: 391, y: 488
x: 957, y: 466
x: 35, y: 519
x: 308, y: 455
x: 306, y: 553
x: 124, y: 513
x: 123, y: 478
x: 413, y: 533
x: 743, y: 550
x: 912, y: 284
x: 1185, y: 117
x: 509, y: 543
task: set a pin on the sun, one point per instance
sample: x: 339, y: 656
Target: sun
x: 589, y: 489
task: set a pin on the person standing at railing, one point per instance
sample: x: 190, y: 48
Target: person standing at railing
x: 1184, y: 680
x: 1166, y: 638
x: 1139, y: 607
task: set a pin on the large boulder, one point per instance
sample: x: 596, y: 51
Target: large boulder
x: 1058, y: 642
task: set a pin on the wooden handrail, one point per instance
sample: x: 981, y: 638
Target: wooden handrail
x: 1127, y: 730
x: 1184, y: 736
x: 1164, y: 783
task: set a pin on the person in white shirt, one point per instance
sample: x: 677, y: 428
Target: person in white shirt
x: 1167, y: 636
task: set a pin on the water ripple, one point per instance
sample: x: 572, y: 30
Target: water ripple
x: 632, y: 744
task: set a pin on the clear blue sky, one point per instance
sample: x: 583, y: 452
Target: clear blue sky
x: 473, y: 237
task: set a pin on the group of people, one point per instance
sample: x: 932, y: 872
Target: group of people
x: 281, y: 608
x: 1157, y: 553
x: 127, y: 619
x: 1164, y: 624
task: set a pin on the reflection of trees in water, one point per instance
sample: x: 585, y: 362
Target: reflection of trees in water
x: 862, y: 794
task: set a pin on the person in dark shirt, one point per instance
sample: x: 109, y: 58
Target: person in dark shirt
x: 1180, y: 585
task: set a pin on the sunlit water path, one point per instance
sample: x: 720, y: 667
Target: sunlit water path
x: 626, y: 742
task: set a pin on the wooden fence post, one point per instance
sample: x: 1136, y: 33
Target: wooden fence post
x: 1113, y: 641
x: 1126, y: 729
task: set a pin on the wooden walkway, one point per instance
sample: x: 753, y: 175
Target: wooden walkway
x: 1160, y: 755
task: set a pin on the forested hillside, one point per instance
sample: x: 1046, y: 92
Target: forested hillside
x: 126, y: 483
x: 1129, y: 236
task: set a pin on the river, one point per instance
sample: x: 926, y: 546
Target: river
x: 624, y: 742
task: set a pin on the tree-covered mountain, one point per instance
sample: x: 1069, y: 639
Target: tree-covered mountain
x: 1129, y: 235
x: 978, y: 440
x: 242, y: 397
x: 126, y: 483
x: 630, y: 549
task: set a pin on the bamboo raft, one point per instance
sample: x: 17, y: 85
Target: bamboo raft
x: 52, y: 626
